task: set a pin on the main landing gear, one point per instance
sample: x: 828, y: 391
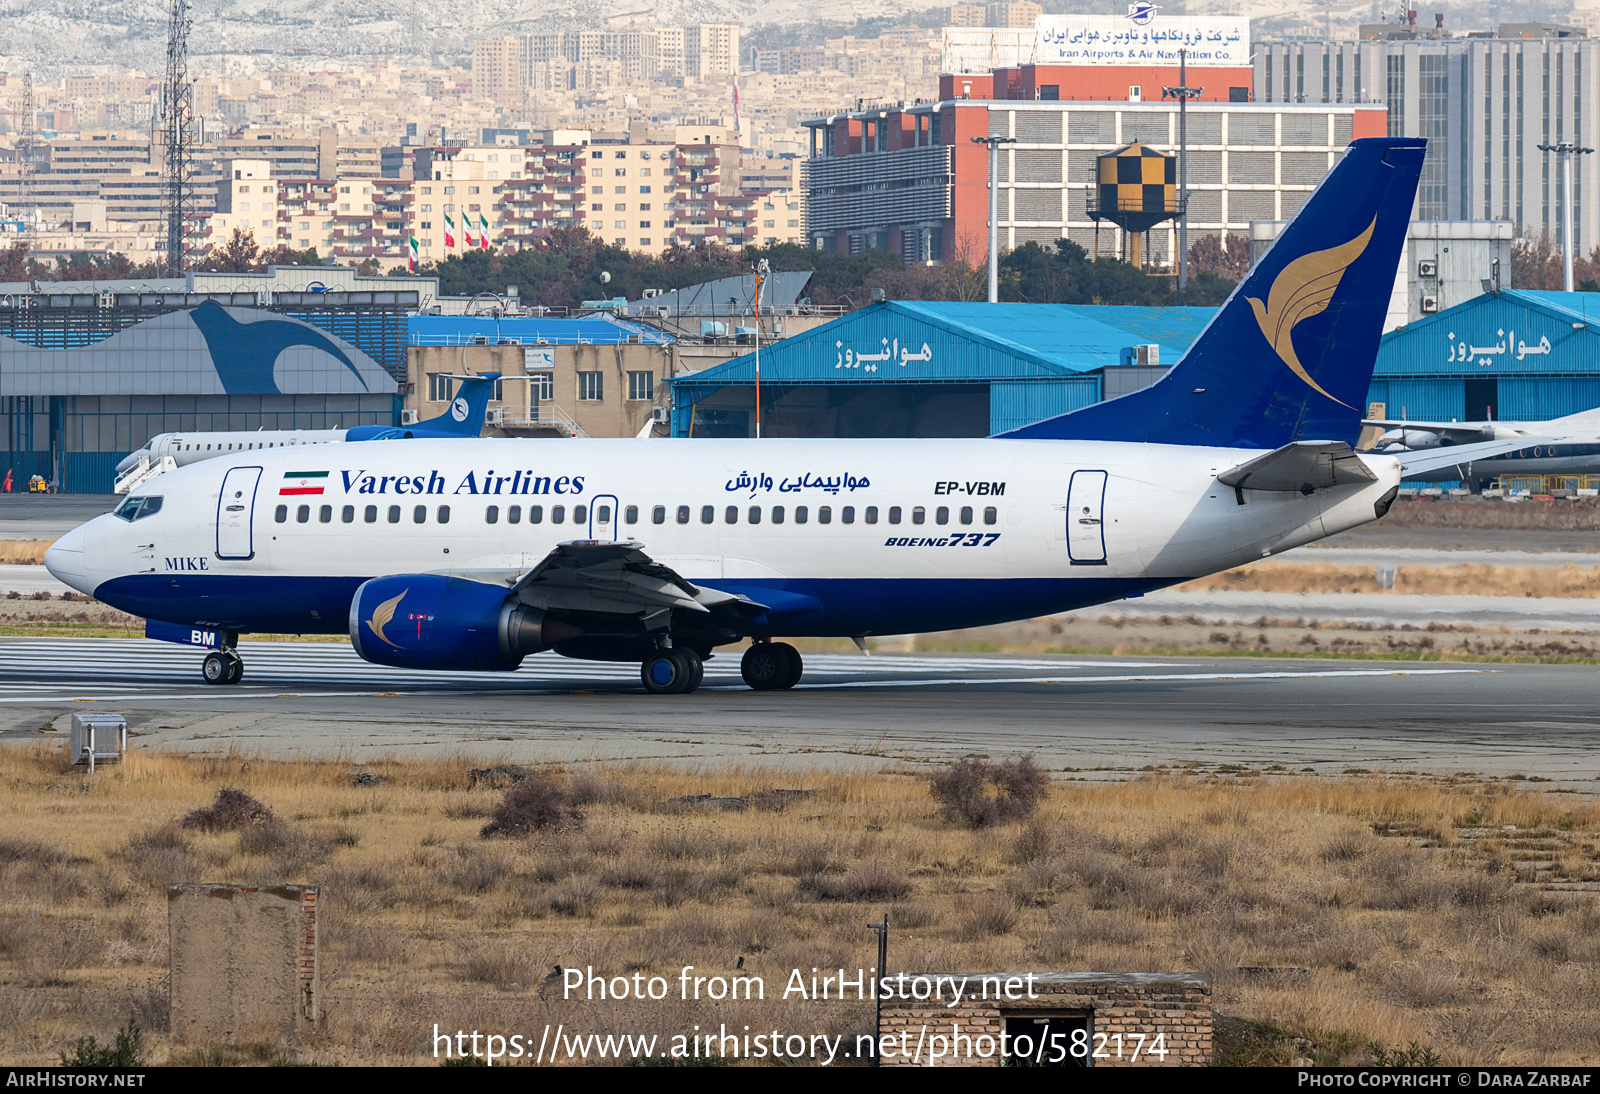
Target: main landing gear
x: 771, y: 666
x: 222, y: 667
x: 672, y: 671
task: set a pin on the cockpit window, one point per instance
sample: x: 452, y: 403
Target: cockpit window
x: 138, y: 508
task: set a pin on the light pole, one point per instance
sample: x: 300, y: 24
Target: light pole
x: 994, y: 144
x: 1183, y: 93
x: 763, y: 268
x: 1566, y: 150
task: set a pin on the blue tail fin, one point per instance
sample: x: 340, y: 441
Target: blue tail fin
x: 464, y: 418
x: 1290, y: 354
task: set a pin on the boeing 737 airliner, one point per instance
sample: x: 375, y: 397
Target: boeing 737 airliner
x: 474, y: 554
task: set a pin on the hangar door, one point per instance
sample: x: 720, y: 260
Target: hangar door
x: 236, y: 513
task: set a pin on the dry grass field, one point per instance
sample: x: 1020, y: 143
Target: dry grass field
x: 1333, y: 913
x: 1476, y: 580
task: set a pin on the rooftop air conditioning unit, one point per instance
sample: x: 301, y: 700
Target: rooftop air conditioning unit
x: 494, y: 416
x: 1430, y: 304
x: 660, y: 414
x: 511, y: 341
x: 408, y: 417
x: 1428, y: 267
x: 635, y: 339
x: 1148, y: 355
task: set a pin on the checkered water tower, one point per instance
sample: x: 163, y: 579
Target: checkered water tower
x: 1136, y: 188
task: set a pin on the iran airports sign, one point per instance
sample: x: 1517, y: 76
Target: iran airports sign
x: 1142, y: 37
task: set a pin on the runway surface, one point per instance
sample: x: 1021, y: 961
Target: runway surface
x: 1076, y: 714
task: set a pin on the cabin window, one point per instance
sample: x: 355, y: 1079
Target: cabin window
x: 683, y: 514
x: 394, y: 514
x: 631, y: 514
x: 919, y: 515
x: 777, y: 514
x: 602, y: 513
x: 825, y: 515
x: 731, y: 515
x: 348, y: 514
x: 800, y: 514
x: 371, y: 515
x: 513, y: 514
x: 966, y: 514
x: 991, y: 515
x: 558, y: 514
x: 535, y: 514
x: 444, y: 514
x: 491, y: 515
x: 658, y: 515
x: 755, y: 514
x: 280, y: 516
x: 419, y: 515
x: 942, y: 515
x: 325, y: 514
x: 302, y: 514
x: 872, y: 514
x: 708, y: 513
x: 848, y: 514
x: 894, y: 514
x: 580, y: 514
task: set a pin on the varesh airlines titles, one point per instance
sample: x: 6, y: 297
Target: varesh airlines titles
x: 473, y: 554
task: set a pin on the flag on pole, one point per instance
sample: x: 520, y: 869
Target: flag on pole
x: 411, y: 257
x: 737, y: 126
x: 483, y: 221
x: 466, y: 230
x: 449, y: 231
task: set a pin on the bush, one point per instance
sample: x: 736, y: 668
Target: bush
x: 127, y: 1052
x: 233, y: 810
x: 980, y: 794
x: 536, y: 803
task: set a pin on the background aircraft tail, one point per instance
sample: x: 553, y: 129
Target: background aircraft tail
x: 463, y: 418
x: 1289, y: 356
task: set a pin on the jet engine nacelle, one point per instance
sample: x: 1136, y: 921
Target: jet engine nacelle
x: 425, y: 621
x: 1412, y: 439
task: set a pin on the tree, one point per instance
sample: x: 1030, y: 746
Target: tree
x: 241, y: 254
x: 1228, y: 259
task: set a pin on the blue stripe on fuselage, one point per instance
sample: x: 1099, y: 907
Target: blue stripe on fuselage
x: 849, y: 606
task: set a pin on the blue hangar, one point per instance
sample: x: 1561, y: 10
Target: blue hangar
x: 908, y: 368
x: 1512, y: 355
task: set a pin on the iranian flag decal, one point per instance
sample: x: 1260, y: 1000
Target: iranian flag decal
x: 303, y: 482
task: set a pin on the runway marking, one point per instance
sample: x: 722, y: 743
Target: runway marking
x: 1161, y: 678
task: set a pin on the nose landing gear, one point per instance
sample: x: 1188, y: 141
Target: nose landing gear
x: 771, y: 666
x: 222, y: 667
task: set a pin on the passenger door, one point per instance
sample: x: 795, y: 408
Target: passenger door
x: 236, y: 513
x: 1086, y: 540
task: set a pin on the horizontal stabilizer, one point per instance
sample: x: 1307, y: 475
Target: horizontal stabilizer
x: 1460, y: 455
x: 1302, y: 467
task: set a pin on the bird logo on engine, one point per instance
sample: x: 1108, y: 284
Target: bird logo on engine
x: 381, y: 616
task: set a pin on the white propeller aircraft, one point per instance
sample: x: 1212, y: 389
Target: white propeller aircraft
x: 474, y: 554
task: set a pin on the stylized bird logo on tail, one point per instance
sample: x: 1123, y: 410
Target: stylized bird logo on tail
x: 1302, y: 289
x: 381, y: 616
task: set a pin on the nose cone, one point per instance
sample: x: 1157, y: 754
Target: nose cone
x: 64, y: 560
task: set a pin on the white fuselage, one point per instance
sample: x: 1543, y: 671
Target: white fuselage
x: 889, y: 535
x: 187, y: 448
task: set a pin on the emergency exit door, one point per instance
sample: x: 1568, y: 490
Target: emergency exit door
x: 1086, y: 539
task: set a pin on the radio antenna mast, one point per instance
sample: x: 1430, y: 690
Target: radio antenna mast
x: 178, y: 131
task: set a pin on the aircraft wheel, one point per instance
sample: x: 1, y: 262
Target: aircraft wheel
x: 666, y: 672
x: 765, y: 667
x: 216, y: 669
x: 796, y: 666
x: 236, y: 668
x: 694, y: 666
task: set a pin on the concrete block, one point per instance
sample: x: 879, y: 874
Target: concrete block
x: 244, y: 961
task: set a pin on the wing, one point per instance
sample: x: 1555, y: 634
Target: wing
x: 612, y: 578
x: 1456, y: 431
